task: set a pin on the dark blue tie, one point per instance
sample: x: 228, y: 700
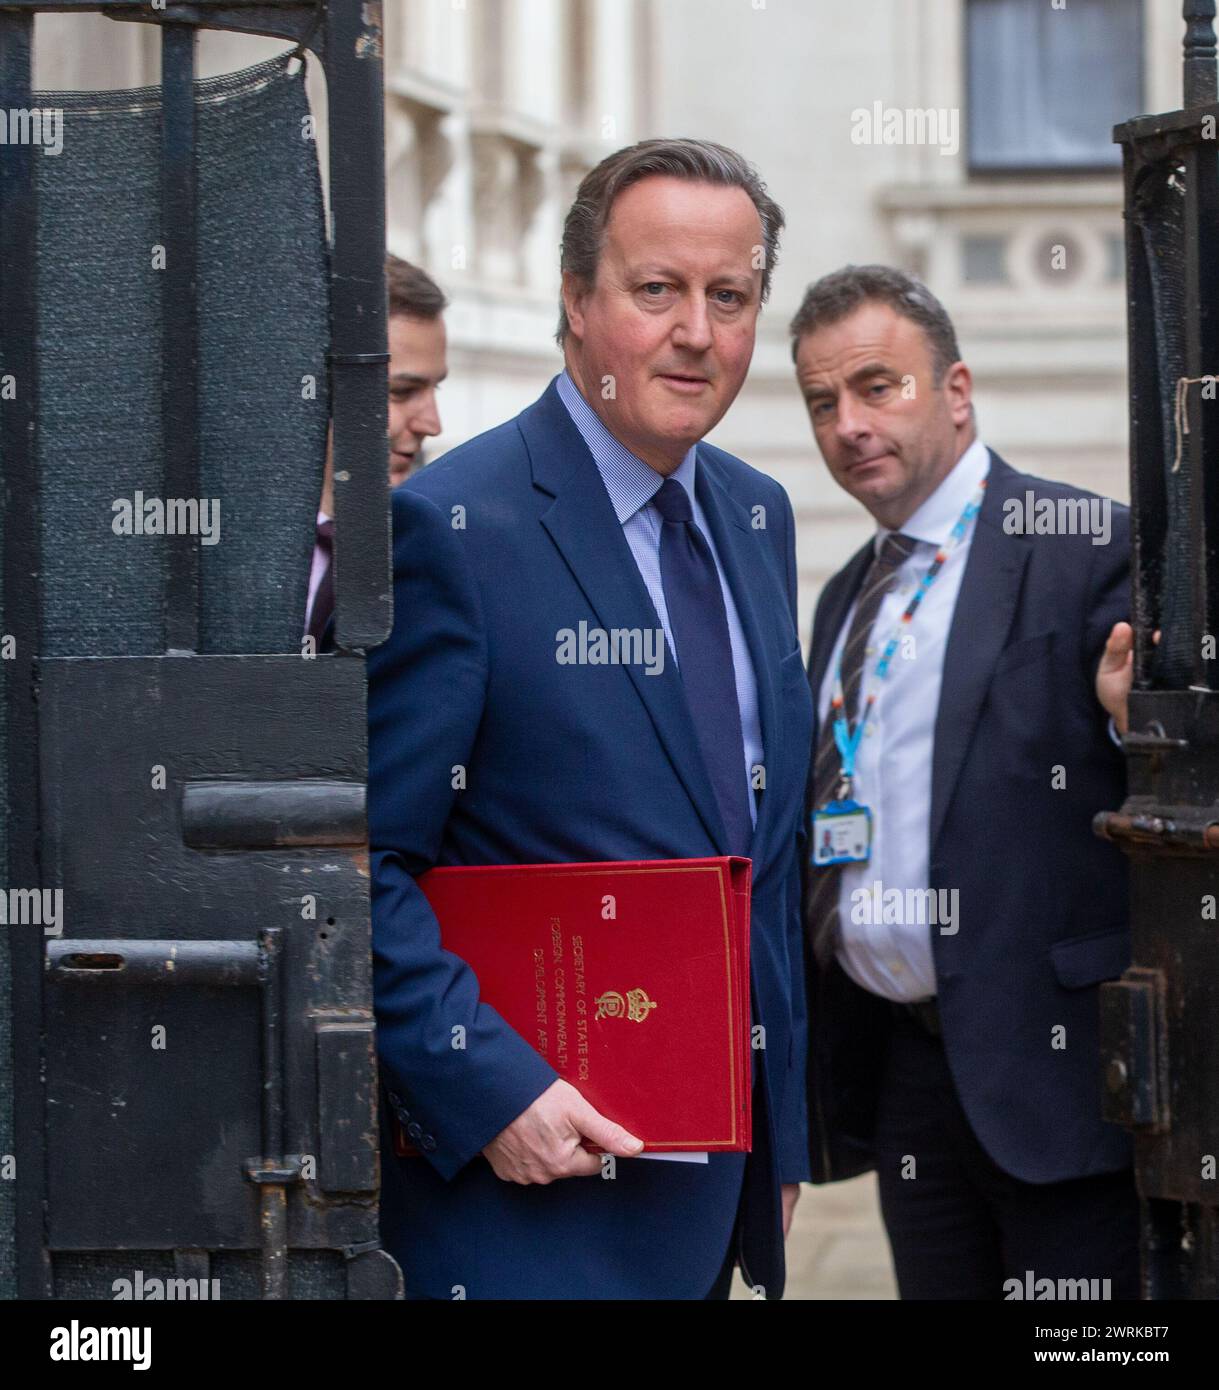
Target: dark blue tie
x: 699, y: 624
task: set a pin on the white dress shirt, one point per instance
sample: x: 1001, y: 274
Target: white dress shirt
x: 893, y: 764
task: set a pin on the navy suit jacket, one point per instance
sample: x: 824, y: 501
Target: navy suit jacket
x: 1043, y: 906
x: 498, y: 546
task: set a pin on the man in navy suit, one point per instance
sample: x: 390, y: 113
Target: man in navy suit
x: 969, y: 669
x: 600, y: 505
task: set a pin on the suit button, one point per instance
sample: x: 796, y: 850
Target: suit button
x: 427, y: 1142
x: 394, y: 1100
x: 404, y: 1115
x: 414, y: 1129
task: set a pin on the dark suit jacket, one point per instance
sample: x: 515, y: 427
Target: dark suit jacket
x: 1043, y: 902
x: 566, y: 763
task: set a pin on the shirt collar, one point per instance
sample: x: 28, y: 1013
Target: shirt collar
x: 935, y: 518
x: 630, y: 482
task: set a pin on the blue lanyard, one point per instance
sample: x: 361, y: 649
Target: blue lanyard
x: 847, y: 740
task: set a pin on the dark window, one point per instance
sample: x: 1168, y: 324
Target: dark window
x: 1046, y: 86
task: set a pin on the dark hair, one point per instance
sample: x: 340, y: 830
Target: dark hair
x: 699, y: 161
x: 412, y: 292
x: 843, y: 291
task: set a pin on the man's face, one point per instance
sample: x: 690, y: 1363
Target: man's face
x: 661, y: 342
x: 416, y: 369
x: 887, y: 432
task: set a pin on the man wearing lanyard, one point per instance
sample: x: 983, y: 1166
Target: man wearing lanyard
x: 959, y: 912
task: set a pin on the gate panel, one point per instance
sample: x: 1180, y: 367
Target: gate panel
x: 1161, y: 1065
x: 192, y: 1063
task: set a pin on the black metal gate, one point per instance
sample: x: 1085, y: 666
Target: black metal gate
x: 190, y: 1091
x: 1158, y: 1022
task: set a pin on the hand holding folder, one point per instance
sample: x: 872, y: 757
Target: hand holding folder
x: 631, y: 979
x: 551, y: 1139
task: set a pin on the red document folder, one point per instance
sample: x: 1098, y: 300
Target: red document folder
x: 631, y: 979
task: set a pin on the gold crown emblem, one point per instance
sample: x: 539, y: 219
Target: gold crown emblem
x: 634, y: 1005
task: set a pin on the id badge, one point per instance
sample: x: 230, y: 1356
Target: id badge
x: 842, y: 833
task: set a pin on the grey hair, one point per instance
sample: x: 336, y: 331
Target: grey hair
x: 699, y: 161
x: 843, y: 291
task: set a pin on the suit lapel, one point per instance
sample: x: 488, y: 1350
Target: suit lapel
x: 582, y: 524
x: 739, y: 551
x: 832, y: 610
x: 985, y: 607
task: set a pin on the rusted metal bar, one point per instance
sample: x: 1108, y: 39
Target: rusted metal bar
x: 109, y: 962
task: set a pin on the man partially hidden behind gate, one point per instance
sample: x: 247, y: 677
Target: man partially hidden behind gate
x: 415, y: 307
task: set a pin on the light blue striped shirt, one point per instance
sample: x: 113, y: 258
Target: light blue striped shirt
x: 632, y: 484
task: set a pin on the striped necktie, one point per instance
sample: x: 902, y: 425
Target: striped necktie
x: 821, y: 906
